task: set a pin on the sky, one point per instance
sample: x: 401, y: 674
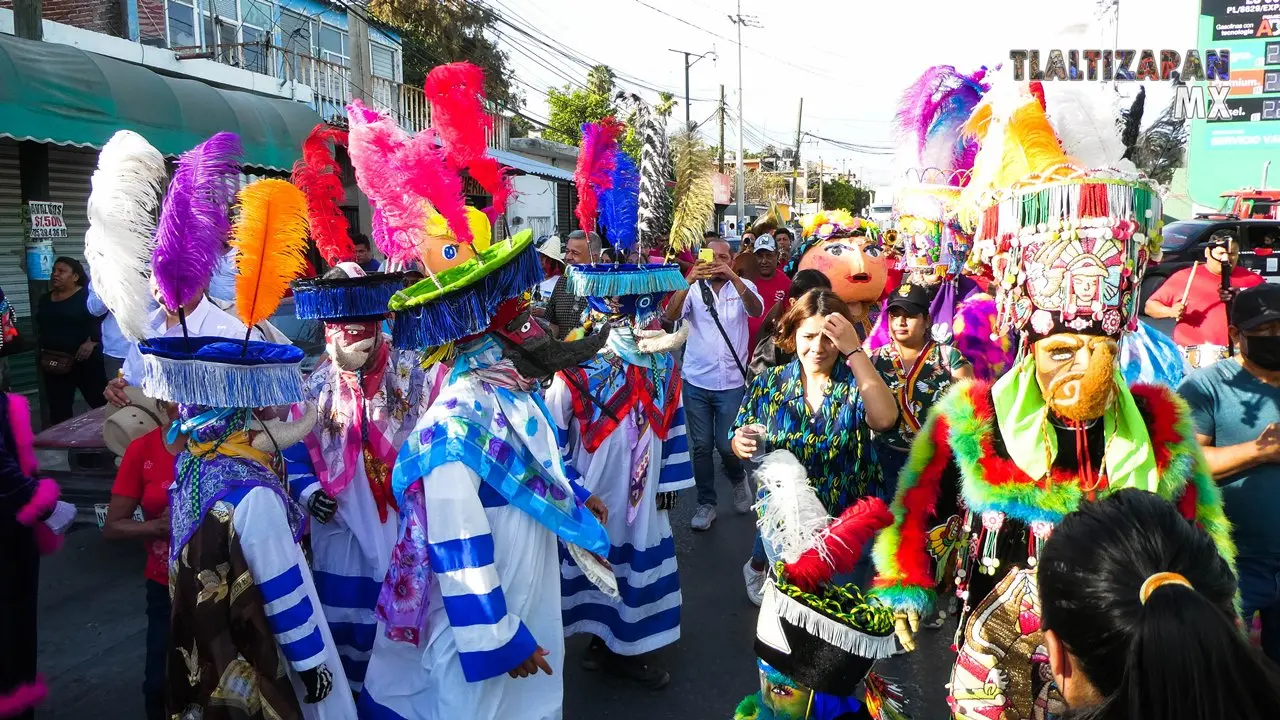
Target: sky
x: 849, y: 59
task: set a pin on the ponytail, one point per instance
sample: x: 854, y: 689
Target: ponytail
x: 1144, y: 602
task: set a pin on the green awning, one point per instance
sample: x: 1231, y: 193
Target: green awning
x: 63, y: 95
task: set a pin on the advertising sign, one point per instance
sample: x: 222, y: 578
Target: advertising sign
x: 1226, y: 151
x: 46, y: 220
x: 722, y: 188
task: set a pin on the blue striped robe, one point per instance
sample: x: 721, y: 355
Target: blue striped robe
x: 646, y: 616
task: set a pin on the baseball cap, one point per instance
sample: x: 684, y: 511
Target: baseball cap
x: 912, y: 298
x: 1255, y: 307
x: 765, y: 242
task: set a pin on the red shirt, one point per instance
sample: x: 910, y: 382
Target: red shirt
x: 145, y: 474
x: 1205, y: 320
x: 772, y: 291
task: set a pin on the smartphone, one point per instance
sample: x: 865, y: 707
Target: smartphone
x: 706, y: 255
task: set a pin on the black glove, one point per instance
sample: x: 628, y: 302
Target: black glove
x: 667, y: 500
x: 321, y: 506
x: 318, y: 681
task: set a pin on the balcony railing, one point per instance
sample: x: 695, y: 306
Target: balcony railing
x: 332, y: 85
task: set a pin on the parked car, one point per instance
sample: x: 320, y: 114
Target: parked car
x: 1186, y: 240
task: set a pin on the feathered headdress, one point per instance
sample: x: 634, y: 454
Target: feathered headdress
x: 694, y: 195
x: 121, y: 236
x: 619, y: 205
x: 654, y: 212
x: 270, y: 239
x: 597, y: 157
x: 194, y: 222
x: 1084, y: 116
x: 319, y: 177
x: 933, y: 110
x: 456, y: 93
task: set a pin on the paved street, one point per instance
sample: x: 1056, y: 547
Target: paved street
x: 92, y: 630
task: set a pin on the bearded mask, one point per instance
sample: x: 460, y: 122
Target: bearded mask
x: 1076, y: 374
x: 536, y: 354
x: 352, y: 344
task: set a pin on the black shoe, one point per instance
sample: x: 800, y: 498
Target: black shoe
x: 594, y: 658
x: 648, y: 676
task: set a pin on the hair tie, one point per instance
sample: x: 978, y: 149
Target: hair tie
x: 1158, y: 580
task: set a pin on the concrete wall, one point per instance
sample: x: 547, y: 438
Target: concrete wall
x: 534, y: 205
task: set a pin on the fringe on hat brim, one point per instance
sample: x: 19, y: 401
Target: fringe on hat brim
x: 851, y: 640
x: 338, y: 299
x: 616, y: 281
x: 467, y: 310
x: 221, y: 385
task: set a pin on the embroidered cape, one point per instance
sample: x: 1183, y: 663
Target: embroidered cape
x: 621, y: 385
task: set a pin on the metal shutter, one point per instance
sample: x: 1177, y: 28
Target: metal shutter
x: 13, y: 279
x: 384, y: 61
x: 69, y: 173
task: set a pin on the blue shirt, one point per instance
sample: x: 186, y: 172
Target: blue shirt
x: 1232, y: 406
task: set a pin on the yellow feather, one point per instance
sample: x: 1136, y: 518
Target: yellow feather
x: 270, y: 238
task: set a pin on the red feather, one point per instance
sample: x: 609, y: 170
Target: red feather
x: 456, y: 93
x: 595, y: 167
x: 319, y: 177
x: 1037, y: 89
x: 843, y: 541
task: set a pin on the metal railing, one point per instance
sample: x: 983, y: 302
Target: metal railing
x: 331, y: 82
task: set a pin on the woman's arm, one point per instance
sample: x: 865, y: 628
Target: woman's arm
x: 881, y: 408
x: 120, y: 524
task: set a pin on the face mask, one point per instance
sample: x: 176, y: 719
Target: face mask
x: 1263, y: 351
x: 536, y: 354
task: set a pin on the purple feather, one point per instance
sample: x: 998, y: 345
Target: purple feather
x: 919, y: 102
x: 195, y: 222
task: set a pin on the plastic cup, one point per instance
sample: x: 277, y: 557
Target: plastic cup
x: 756, y: 432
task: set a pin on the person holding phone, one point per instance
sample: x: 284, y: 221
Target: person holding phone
x: 716, y: 306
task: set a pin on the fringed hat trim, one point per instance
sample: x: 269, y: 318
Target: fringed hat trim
x: 221, y: 373
x: 340, y: 298
x: 605, y: 280
x: 834, y: 629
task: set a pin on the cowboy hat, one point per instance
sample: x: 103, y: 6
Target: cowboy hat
x: 138, y: 417
x: 553, y: 248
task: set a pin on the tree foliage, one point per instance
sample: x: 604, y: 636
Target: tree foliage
x: 839, y: 193
x: 435, y: 32
x: 569, y: 108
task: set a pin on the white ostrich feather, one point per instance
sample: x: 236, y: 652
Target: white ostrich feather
x: 792, y: 517
x: 660, y: 341
x: 1084, y: 115
x: 122, y: 223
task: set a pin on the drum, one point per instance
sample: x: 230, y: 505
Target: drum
x: 1199, y: 356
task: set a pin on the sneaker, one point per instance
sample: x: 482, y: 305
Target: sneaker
x: 594, y: 658
x: 755, y: 583
x: 650, y: 677
x: 703, y: 518
x: 742, y: 500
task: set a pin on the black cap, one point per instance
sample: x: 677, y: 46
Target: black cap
x: 912, y: 298
x: 1256, y: 306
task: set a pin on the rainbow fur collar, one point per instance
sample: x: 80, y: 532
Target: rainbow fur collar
x: 961, y: 431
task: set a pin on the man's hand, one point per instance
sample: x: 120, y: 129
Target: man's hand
x: 85, y: 350
x: 531, y: 666
x: 1177, y: 310
x: 700, y: 271
x: 319, y: 683
x: 322, y: 506
x: 1269, y: 443
x: 599, y: 509
x: 840, y: 330
x: 114, y: 393
x: 159, y: 527
x: 906, y: 624
x: 722, y: 271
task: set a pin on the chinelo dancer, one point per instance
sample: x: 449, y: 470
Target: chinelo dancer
x: 622, y: 421
x: 247, y: 639
x: 368, y: 397
x: 996, y: 466
x: 470, y: 609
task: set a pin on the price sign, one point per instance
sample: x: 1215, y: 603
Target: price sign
x: 46, y: 220
x: 1271, y: 81
x: 1272, y: 53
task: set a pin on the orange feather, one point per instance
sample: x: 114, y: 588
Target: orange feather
x: 270, y: 238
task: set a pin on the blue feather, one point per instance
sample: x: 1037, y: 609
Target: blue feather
x: 620, y: 204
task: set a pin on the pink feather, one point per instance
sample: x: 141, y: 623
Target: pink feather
x: 456, y: 92
x: 595, y: 167
x: 374, y: 143
x: 428, y: 174
x: 919, y: 103
x: 841, y: 544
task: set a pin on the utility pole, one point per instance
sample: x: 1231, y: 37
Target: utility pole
x: 795, y: 160
x: 688, y: 121
x: 28, y: 19
x: 821, y: 172
x: 721, y: 129
x: 739, y: 20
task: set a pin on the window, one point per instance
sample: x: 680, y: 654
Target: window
x: 255, y: 51
x: 295, y: 38
x: 333, y: 46
x: 383, y: 63
x: 182, y: 24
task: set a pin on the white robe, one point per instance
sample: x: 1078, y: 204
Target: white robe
x: 646, y: 616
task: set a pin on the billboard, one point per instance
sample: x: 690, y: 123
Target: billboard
x: 1228, y: 153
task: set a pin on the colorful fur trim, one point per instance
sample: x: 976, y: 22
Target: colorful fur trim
x: 48, y: 542
x: 41, y: 503
x: 962, y: 426
x: 20, y: 426
x: 24, y: 698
